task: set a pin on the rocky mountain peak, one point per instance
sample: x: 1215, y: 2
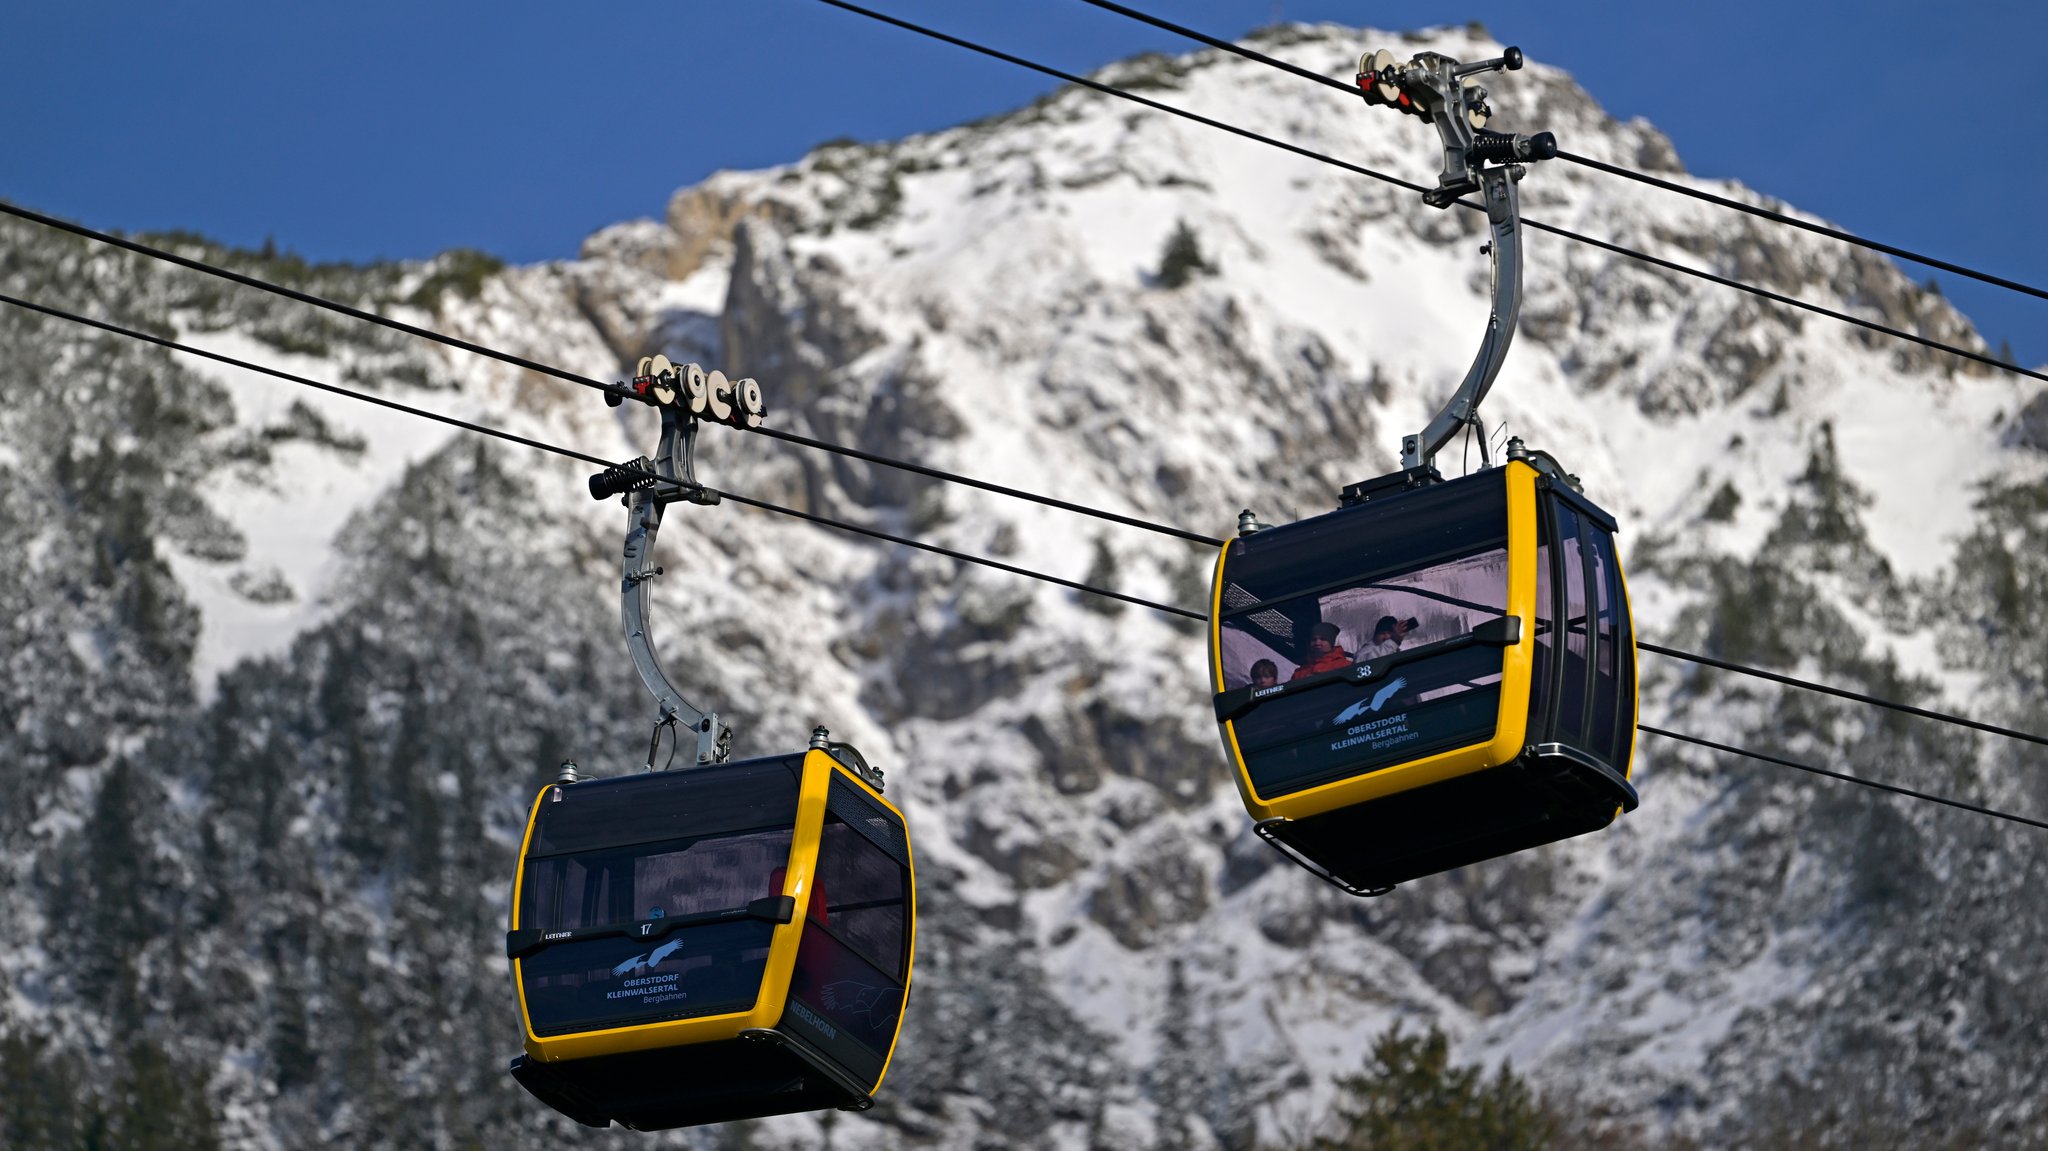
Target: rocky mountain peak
x: 329, y: 782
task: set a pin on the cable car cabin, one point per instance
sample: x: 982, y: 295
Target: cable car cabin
x: 711, y: 944
x: 1435, y: 675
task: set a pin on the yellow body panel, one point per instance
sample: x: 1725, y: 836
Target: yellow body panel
x: 1635, y: 682
x: 1510, y: 729
x: 818, y: 770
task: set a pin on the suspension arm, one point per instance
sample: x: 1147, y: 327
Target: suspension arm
x: 1503, y: 214
x: 672, y: 463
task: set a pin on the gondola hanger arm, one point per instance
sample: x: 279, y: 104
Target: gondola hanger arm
x: 1433, y: 87
x: 682, y: 395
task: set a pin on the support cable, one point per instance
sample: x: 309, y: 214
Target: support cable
x: 482, y: 429
x: 806, y: 441
x: 1596, y: 165
x: 231, y: 361
x: 1096, y: 85
x: 1844, y: 693
x: 949, y: 553
x: 984, y: 485
x: 572, y: 377
x: 1110, y: 90
x: 1807, y: 225
x: 1894, y: 789
x: 249, y: 281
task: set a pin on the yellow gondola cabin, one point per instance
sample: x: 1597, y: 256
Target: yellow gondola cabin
x: 666, y: 976
x: 1434, y: 675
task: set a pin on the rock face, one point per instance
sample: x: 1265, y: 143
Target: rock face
x: 282, y: 672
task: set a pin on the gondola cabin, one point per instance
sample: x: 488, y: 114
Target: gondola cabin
x: 711, y: 944
x: 1436, y: 674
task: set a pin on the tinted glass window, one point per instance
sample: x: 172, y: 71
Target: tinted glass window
x: 1571, y: 718
x: 1540, y: 671
x: 667, y: 805
x: 1614, y: 678
x: 863, y: 895
x: 1363, y: 619
x: 851, y: 968
x: 618, y: 980
x: 1401, y: 533
x: 651, y: 881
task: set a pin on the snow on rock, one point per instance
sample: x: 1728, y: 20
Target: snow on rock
x: 986, y: 300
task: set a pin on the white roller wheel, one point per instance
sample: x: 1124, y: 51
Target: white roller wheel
x: 746, y: 395
x: 664, y: 374
x: 1381, y: 61
x: 695, y: 392
x: 718, y: 401
x: 1474, y: 105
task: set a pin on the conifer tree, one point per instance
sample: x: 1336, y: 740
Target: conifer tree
x: 158, y: 1105
x: 1409, y: 1097
x: 118, y: 921
x: 1182, y: 259
x: 1176, y: 1077
x: 39, y: 1097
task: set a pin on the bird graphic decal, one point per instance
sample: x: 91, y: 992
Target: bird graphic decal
x: 852, y: 997
x: 1378, y: 700
x: 645, y: 959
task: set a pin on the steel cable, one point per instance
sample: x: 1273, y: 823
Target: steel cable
x: 572, y: 377
x: 1296, y: 149
x: 827, y: 521
x: 1894, y: 789
x: 499, y: 433
x: 1597, y: 165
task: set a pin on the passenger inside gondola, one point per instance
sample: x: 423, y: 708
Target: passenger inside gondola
x: 1421, y: 683
x: 1264, y: 674
x: 1324, y: 652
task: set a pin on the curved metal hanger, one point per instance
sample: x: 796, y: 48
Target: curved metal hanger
x: 1432, y: 86
x: 649, y: 486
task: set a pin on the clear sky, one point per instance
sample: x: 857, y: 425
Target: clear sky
x: 381, y: 128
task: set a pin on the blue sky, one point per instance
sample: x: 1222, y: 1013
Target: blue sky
x: 380, y: 128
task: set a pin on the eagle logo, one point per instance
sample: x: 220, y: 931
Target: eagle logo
x: 1379, y: 699
x: 646, y: 960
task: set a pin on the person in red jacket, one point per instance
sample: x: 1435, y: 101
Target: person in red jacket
x: 1323, y: 652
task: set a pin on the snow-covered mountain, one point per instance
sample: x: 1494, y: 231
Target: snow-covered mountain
x: 283, y: 670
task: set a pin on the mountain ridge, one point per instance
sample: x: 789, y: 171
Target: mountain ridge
x: 335, y: 810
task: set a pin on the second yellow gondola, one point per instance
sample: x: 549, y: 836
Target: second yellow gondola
x: 1438, y: 674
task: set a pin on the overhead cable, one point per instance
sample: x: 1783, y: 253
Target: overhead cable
x: 572, y: 377
x: 153, y: 253
x: 964, y: 557
x: 1589, y: 162
x: 1309, y: 153
x: 1855, y: 779
x: 823, y: 445
x: 1818, y: 229
x: 999, y: 489
x: 482, y: 429
x: 1844, y: 693
x: 231, y: 361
